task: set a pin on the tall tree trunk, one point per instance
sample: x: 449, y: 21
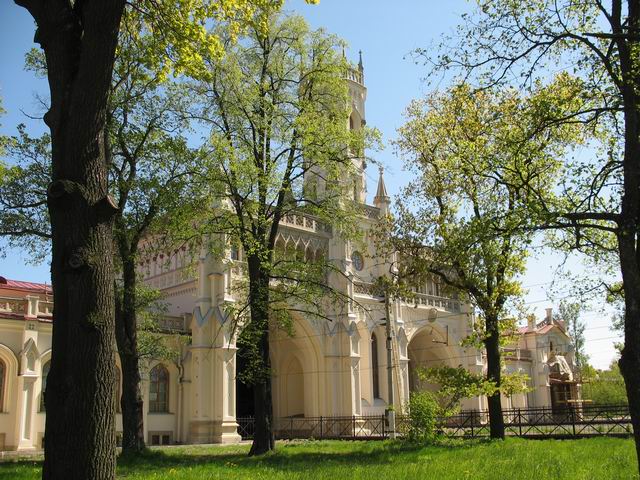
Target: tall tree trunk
x: 126, y: 337
x: 263, y: 439
x: 494, y: 370
x: 630, y: 357
x: 79, y: 41
x: 629, y: 227
x: 630, y: 369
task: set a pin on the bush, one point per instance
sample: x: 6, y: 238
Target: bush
x: 424, y: 412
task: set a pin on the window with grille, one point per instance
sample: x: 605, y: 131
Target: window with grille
x: 118, y: 390
x: 159, y: 390
x: 374, y: 366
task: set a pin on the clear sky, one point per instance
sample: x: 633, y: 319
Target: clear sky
x: 386, y: 32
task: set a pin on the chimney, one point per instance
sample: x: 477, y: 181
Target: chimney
x: 531, y: 322
x: 549, y: 314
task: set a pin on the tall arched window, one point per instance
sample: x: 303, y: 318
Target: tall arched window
x: 159, y: 389
x: 374, y: 366
x: 3, y: 383
x: 45, y: 374
x: 118, y: 390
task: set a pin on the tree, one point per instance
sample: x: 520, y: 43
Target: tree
x: 508, y: 42
x: 277, y: 106
x: 477, y: 159
x: 569, y: 312
x: 457, y: 383
x: 24, y: 219
x: 152, y: 179
x: 79, y: 41
x: 604, y: 387
x: 154, y: 183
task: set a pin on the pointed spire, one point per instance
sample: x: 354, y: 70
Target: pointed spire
x: 382, y: 200
x: 382, y: 189
x: 360, y: 65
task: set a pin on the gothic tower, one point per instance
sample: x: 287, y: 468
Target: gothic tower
x: 357, y: 121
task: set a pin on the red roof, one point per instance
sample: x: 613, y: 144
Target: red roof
x: 29, y: 286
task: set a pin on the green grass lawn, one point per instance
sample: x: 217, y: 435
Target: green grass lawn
x: 513, y: 459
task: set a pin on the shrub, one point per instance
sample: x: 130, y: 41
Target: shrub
x: 424, y: 412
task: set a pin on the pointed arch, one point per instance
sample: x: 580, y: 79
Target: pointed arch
x: 303, y: 344
x: 294, y: 385
x: 29, y: 357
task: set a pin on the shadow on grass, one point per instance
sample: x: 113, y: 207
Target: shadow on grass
x: 289, y: 456
x: 293, y: 456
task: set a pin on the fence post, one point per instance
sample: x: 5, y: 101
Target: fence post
x: 384, y: 430
x: 573, y: 420
x: 353, y: 420
x: 321, y: 427
x: 473, y: 413
x: 519, y: 423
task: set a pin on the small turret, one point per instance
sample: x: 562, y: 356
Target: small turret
x: 382, y: 199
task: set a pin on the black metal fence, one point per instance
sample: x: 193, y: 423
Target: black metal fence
x: 545, y: 422
x: 354, y: 427
x: 569, y: 422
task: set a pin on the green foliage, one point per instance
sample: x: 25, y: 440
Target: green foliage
x: 480, y: 167
x: 152, y: 341
x: 604, y: 387
x: 424, y: 414
x: 457, y: 383
x: 277, y: 109
x: 24, y: 219
x: 180, y: 34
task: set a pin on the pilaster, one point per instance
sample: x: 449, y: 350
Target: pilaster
x: 213, y: 354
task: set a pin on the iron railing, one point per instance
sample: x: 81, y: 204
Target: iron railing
x: 543, y: 422
x: 353, y: 427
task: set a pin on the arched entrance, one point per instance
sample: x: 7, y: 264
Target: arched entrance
x: 427, y: 348
x: 293, y: 379
x: 297, y: 383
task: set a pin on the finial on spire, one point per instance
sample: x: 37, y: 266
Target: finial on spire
x: 360, y: 65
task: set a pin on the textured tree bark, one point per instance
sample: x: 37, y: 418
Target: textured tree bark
x: 263, y: 439
x: 629, y: 227
x: 126, y: 337
x: 79, y: 42
x: 492, y: 346
x: 630, y: 369
x: 629, y: 252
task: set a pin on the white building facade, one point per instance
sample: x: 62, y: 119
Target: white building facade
x: 325, y: 367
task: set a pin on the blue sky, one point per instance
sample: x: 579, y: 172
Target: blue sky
x: 386, y: 32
